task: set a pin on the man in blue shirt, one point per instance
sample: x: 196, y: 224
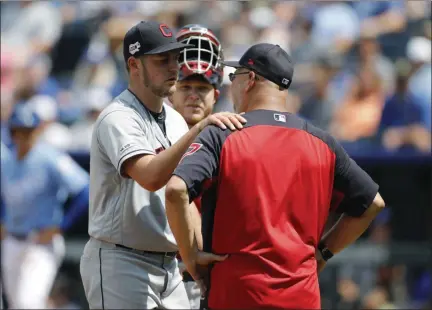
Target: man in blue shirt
x: 402, y: 126
x: 386, y: 20
x: 36, y: 180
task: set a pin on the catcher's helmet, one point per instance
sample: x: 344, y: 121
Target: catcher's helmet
x: 204, y: 58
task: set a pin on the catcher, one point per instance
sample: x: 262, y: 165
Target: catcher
x: 197, y: 91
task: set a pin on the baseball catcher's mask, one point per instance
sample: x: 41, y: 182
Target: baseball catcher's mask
x: 203, y: 57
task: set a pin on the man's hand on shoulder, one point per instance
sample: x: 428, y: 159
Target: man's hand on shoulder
x: 223, y: 120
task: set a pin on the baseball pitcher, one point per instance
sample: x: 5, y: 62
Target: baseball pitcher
x: 130, y: 260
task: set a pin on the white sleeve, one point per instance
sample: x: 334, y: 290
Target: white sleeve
x: 176, y: 125
x: 121, y: 136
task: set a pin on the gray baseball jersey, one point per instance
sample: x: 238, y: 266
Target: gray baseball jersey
x: 120, y: 210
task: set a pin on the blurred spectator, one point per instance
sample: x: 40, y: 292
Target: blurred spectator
x: 359, y: 115
x: 428, y: 29
x: 309, y: 30
x: 28, y: 73
x: 270, y: 28
x: 53, y: 132
x: 304, y: 54
x: 419, y: 17
x: 8, y: 82
x: 418, y: 10
x: 32, y: 76
x: 215, y: 14
x: 35, y: 24
x: 285, y: 12
x: 128, y: 8
x: 224, y: 103
x: 369, y: 54
x: 402, y: 122
x: 377, y: 299
x: 7, y: 72
x: 61, y: 294
x: 349, y: 294
x: 392, y: 278
x: 336, y: 25
x: 421, y: 288
x: 420, y: 83
x: 103, y: 64
x: 236, y: 37
x: 318, y: 102
x: 380, y: 17
x: 385, y: 20
x: 96, y: 100
x: 380, y: 230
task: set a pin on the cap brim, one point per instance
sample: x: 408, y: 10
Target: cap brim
x: 234, y: 64
x: 168, y: 47
x: 205, y: 77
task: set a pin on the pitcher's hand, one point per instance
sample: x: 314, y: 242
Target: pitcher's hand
x: 223, y: 120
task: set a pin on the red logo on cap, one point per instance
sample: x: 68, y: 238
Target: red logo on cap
x: 166, y: 32
x: 250, y: 62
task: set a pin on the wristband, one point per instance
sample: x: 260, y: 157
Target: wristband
x: 324, y: 251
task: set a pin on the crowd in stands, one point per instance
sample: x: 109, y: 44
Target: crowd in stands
x: 363, y: 69
x: 362, y: 72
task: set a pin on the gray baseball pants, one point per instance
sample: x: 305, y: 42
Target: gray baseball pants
x: 118, y: 278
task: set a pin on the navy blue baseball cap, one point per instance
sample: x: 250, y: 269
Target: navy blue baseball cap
x: 149, y: 38
x: 23, y: 117
x: 268, y: 60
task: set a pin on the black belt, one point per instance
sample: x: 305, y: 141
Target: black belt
x: 165, y: 254
x: 187, y: 277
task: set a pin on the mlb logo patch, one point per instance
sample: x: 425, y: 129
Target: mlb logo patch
x: 279, y: 118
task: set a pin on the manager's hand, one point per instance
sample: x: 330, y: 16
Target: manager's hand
x: 223, y: 120
x: 320, y: 261
x: 320, y: 265
x: 198, y: 267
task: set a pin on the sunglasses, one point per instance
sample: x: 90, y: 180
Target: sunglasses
x: 232, y: 76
